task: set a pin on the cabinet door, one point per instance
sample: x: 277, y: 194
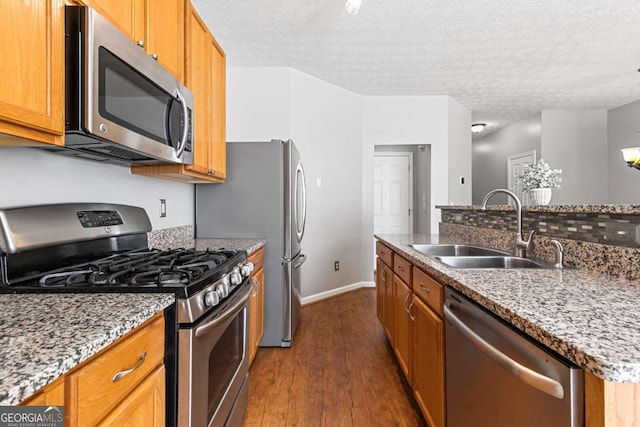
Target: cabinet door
x: 164, y: 36
x: 380, y: 289
x: 199, y: 82
x: 428, y: 363
x: 144, y: 406
x: 51, y: 395
x: 402, y: 325
x: 388, y: 303
x: 127, y: 15
x: 32, y: 70
x: 217, y: 106
x: 256, y: 314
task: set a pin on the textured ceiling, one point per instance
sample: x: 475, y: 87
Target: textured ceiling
x: 503, y: 59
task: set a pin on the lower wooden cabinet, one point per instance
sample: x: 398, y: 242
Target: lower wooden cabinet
x: 256, y: 304
x: 144, y: 406
x: 51, y: 395
x: 402, y: 326
x: 428, y: 363
x: 409, y: 306
x: 122, y: 385
x: 384, y: 291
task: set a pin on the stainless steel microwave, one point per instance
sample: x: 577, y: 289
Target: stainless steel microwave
x: 121, y: 106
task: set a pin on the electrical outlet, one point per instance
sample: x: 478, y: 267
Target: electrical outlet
x: 457, y: 217
x: 336, y: 265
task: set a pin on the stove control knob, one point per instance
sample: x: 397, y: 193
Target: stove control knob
x: 222, y: 290
x: 235, y: 277
x: 211, y: 298
x: 246, y: 269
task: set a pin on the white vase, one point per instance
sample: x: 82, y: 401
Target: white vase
x: 540, y: 196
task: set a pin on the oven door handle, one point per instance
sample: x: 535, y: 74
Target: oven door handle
x: 231, y: 311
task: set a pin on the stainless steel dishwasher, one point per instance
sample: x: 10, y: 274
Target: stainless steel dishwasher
x: 498, y: 377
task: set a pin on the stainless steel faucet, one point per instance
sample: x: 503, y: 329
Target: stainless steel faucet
x: 559, y: 253
x: 521, y: 246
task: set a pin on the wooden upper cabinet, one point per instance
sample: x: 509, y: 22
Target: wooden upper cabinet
x: 205, y: 76
x: 217, y: 103
x: 32, y: 70
x: 198, y: 81
x: 164, y: 34
x: 157, y: 26
x: 127, y: 15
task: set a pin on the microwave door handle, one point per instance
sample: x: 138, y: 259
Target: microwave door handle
x: 185, y: 130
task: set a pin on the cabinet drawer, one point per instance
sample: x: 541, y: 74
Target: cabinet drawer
x: 93, y: 391
x: 384, y: 253
x: 402, y: 268
x: 428, y: 290
x: 257, y: 258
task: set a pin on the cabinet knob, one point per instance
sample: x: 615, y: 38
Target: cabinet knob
x: 155, y: 56
x: 140, y: 43
x: 212, y: 171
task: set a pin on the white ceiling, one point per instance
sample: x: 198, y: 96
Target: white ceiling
x: 503, y: 59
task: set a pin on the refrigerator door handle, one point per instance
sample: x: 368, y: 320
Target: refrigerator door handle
x: 301, y: 217
x: 300, y: 259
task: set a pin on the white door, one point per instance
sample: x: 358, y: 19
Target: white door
x: 515, y: 165
x: 392, y: 193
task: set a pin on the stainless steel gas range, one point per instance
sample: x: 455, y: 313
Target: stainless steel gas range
x: 103, y: 248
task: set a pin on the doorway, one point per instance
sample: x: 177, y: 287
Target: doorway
x: 393, y: 193
x: 515, y: 166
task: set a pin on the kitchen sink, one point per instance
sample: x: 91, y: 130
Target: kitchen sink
x: 456, y: 250
x: 503, y: 262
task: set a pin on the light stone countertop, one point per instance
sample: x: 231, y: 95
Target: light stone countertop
x: 594, y: 209
x: 42, y: 336
x: 249, y: 245
x: 591, y: 320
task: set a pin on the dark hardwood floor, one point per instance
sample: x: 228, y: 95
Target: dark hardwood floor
x: 339, y: 372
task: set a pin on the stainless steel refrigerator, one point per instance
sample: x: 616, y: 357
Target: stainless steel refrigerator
x: 264, y: 196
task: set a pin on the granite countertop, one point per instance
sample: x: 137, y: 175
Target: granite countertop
x: 42, y: 336
x: 249, y: 245
x: 595, y: 209
x: 591, y: 320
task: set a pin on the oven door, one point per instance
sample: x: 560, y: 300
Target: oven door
x: 213, y: 365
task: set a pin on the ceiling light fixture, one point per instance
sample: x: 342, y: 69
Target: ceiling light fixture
x: 352, y: 6
x: 478, y: 127
x: 632, y: 156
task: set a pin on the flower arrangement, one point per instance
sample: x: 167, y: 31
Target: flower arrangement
x: 539, y: 175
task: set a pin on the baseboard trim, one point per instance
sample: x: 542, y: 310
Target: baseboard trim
x: 334, y: 292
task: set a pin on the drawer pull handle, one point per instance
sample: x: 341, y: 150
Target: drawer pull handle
x: 123, y: 374
x: 427, y: 290
x: 401, y: 268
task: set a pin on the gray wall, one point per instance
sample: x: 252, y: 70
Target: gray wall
x: 491, y: 152
x: 576, y: 142
x: 460, y: 154
x: 30, y: 177
x: 622, y: 132
x: 324, y: 121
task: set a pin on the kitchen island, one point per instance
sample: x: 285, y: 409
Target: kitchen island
x: 43, y: 336
x: 591, y: 320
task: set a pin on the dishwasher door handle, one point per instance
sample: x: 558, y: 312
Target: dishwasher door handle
x: 534, y: 379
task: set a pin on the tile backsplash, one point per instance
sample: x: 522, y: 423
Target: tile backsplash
x: 622, y: 229
x: 604, y: 241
